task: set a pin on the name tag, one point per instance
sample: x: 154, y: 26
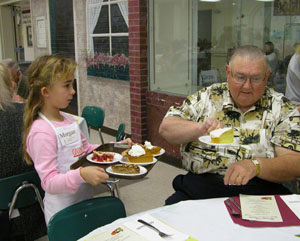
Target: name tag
x: 67, y: 135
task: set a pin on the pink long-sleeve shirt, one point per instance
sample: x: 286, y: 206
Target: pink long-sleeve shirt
x: 42, y: 148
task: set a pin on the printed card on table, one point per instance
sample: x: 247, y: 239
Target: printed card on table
x: 260, y: 208
x: 120, y: 233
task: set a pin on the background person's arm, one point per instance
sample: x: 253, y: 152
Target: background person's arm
x: 179, y: 131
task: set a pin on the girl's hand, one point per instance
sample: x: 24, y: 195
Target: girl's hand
x: 93, y: 175
x: 127, y: 141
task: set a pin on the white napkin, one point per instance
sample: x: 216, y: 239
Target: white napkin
x: 293, y: 202
x: 152, y: 235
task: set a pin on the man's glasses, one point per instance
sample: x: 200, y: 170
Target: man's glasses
x: 242, y: 79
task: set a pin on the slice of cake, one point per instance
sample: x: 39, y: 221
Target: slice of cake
x: 222, y: 136
x: 101, y: 156
x: 126, y: 168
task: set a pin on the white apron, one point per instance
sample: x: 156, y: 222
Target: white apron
x: 69, y: 150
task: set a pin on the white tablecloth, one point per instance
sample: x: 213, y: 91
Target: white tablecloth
x: 209, y: 220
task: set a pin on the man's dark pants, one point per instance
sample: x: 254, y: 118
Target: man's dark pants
x: 193, y: 186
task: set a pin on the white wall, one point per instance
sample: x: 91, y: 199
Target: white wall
x: 7, y: 35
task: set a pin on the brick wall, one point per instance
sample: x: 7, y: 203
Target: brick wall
x: 157, y: 106
x: 138, y: 68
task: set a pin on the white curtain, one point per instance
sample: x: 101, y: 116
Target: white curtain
x: 124, y: 10
x: 92, y: 16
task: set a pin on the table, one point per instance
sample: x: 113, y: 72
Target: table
x: 208, y: 220
x: 110, y: 147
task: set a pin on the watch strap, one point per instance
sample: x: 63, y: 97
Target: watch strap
x: 257, y: 166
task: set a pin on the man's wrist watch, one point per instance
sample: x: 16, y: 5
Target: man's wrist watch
x: 257, y: 166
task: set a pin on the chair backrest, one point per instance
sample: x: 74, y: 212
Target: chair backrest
x: 94, y: 116
x: 26, y: 197
x: 121, y: 132
x: 81, y: 218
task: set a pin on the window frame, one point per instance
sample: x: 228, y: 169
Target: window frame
x: 110, y: 35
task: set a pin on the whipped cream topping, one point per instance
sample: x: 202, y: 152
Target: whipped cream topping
x: 136, y: 150
x: 219, y: 132
x: 148, y: 145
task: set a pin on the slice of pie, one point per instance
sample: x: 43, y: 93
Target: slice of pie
x: 126, y: 168
x: 137, y: 154
x: 101, y: 156
x: 154, y: 150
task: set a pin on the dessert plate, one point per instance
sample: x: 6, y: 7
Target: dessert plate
x: 117, y: 158
x: 207, y: 140
x: 143, y: 170
x: 161, y: 152
x: 125, y: 161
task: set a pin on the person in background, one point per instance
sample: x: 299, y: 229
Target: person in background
x: 272, y: 59
x: 30, y: 224
x: 267, y: 152
x: 53, y: 140
x: 21, y: 88
x: 292, y: 91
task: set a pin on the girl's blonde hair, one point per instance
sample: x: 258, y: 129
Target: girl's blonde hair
x: 5, y: 85
x: 43, y: 72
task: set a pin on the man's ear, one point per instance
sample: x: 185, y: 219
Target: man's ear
x: 44, y: 91
x: 227, y: 68
x: 268, y: 74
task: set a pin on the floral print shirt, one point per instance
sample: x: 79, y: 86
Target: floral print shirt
x: 256, y: 131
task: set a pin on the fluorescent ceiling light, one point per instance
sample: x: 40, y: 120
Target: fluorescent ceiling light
x: 265, y: 0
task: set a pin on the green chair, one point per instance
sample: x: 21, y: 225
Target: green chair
x: 20, y: 191
x: 121, y: 132
x: 81, y: 218
x: 94, y: 117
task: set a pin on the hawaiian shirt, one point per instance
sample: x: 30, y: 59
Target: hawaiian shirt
x: 256, y: 131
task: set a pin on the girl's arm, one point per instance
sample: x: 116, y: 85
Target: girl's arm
x: 42, y: 148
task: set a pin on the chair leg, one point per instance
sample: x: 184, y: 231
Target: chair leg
x: 25, y: 185
x: 110, y: 188
x: 113, y: 188
x: 101, y: 137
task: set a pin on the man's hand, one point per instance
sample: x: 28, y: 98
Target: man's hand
x: 212, y: 124
x: 240, y: 173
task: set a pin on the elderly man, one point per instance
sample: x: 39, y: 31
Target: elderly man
x: 269, y: 144
x: 21, y: 88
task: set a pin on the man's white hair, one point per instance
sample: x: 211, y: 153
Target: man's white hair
x: 250, y: 51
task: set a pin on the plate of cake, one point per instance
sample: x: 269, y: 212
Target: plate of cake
x: 137, y: 154
x: 154, y: 150
x: 125, y: 160
x: 220, y: 137
x: 126, y: 170
x: 104, y: 157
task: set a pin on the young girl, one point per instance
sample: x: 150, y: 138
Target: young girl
x: 52, y: 139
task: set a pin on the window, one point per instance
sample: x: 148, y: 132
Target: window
x: 190, y: 40
x: 107, y: 27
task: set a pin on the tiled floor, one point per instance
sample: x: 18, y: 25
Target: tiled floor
x: 143, y: 194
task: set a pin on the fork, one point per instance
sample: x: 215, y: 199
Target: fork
x: 233, y: 212
x: 238, y: 206
x: 160, y: 233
